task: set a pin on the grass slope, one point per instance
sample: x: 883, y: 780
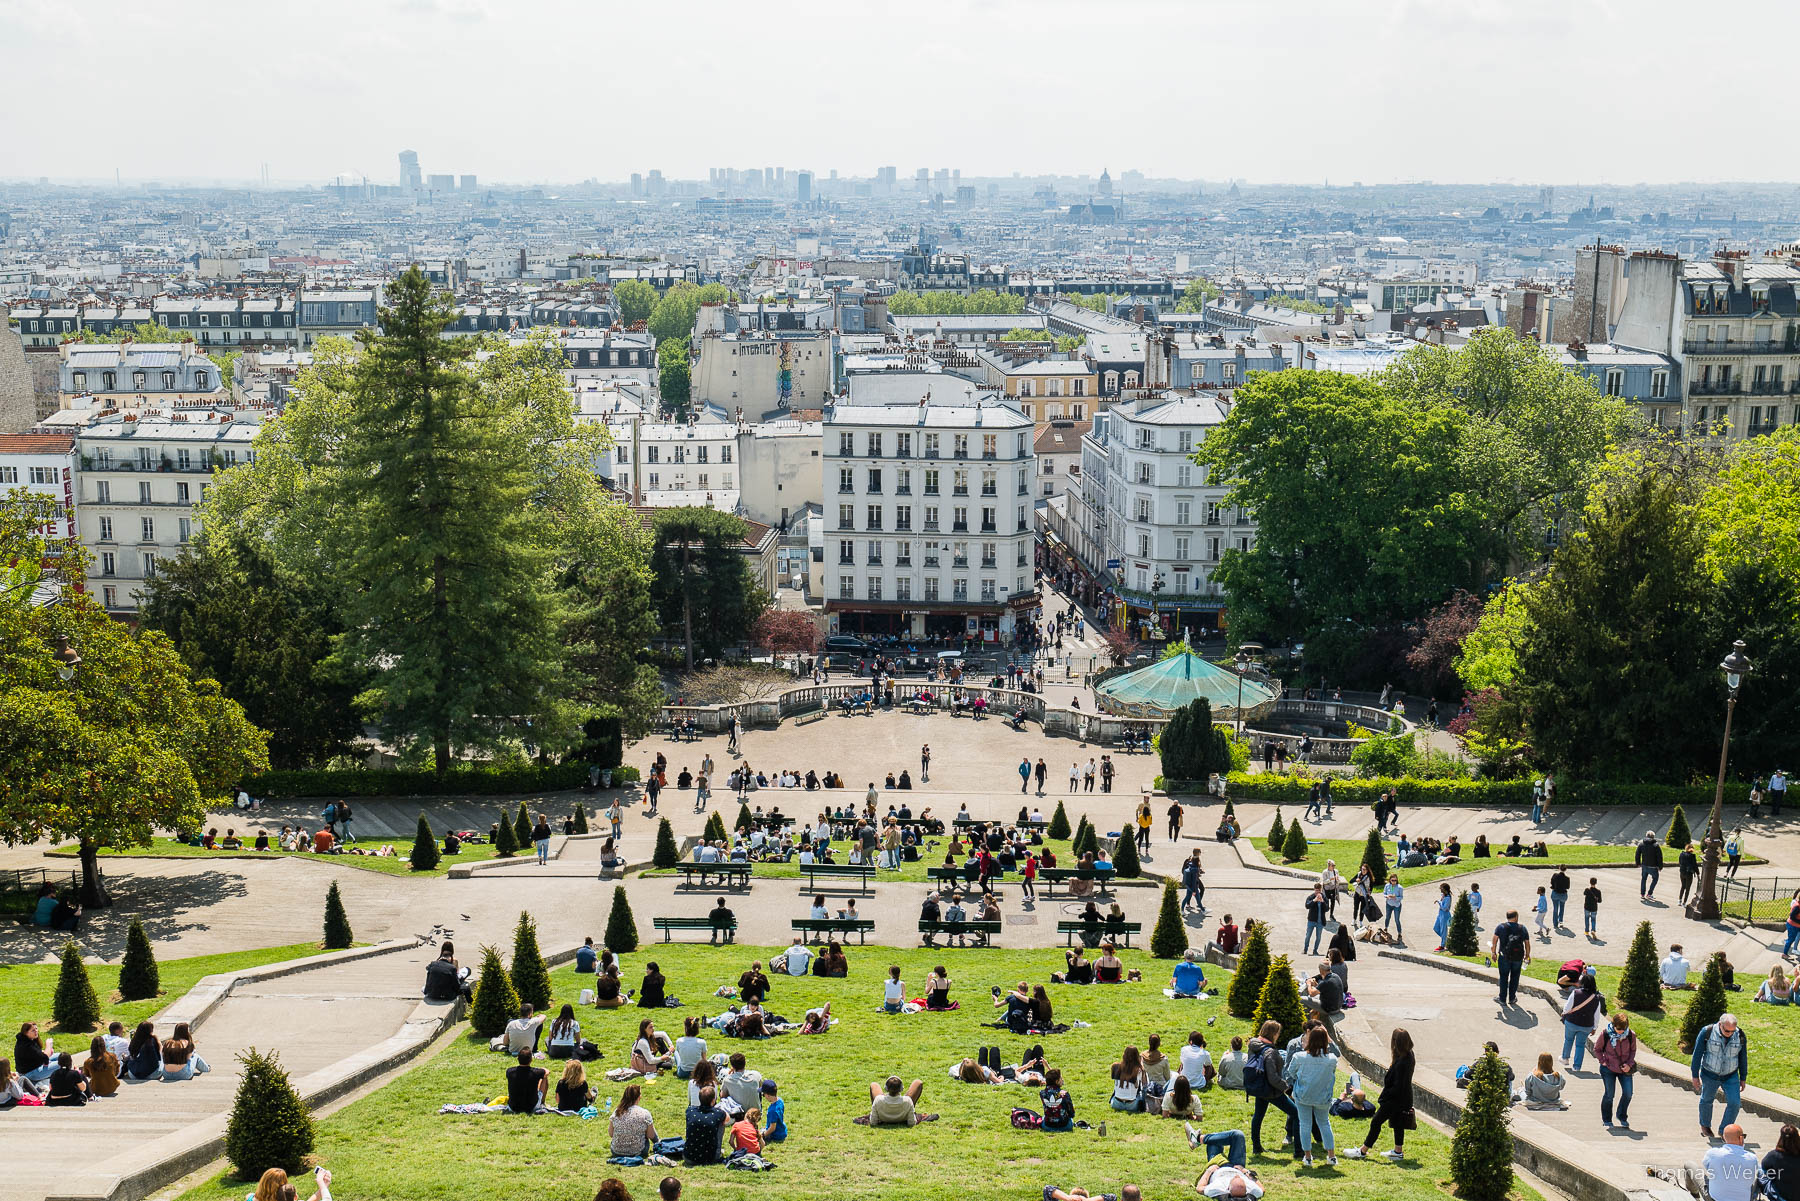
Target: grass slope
x: 26, y: 989
x: 391, y: 1144
x: 396, y: 865
x: 1348, y: 853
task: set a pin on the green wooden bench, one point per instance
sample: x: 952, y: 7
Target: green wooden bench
x: 815, y: 926
x: 1052, y: 876
x: 730, y: 875
x: 1119, y: 932
x: 969, y: 823
x: 956, y: 876
x: 669, y: 924
x: 861, y: 872
x: 983, y: 931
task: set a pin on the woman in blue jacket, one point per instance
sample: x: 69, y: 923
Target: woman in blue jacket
x: 1312, y: 1080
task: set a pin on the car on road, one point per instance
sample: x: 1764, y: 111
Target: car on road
x: 846, y: 644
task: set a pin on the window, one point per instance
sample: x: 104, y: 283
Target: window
x: 1146, y: 474
x: 106, y: 530
x: 962, y: 445
x: 987, y: 591
x: 846, y: 587
x: 1131, y: 379
x: 959, y: 517
x: 1184, y: 514
x: 700, y: 454
x: 903, y: 482
x: 931, y: 517
x: 184, y: 528
x: 149, y: 565
x: 1021, y: 563
x: 931, y: 481
x: 1212, y: 513
x: 903, y: 446
x: 932, y: 550
x: 931, y: 586
x: 874, y: 517
x: 961, y: 485
x: 9, y: 475
x: 109, y: 563
x: 1025, y: 388
x: 959, y: 589
x: 1615, y: 382
x: 846, y: 480
x: 200, y: 381
x: 1053, y: 387
x: 1228, y: 372
x: 110, y: 380
x: 990, y: 446
x: 1212, y: 549
x: 989, y: 484
x: 846, y: 517
x: 724, y: 454
x: 874, y: 586
x: 903, y: 517
x: 1080, y: 388
x: 81, y: 381
x: 847, y: 444
x: 143, y: 492
x: 931, y: 446
x: 43, y: 475
x: 874, y: 479
x: 1144, y: 545
x: 1181, y: 546
x: 846, y: 550
x: 182, y: 459
x: 903, y: 589
x: 149, y: 529
x: 987, y: 519
x: 653, y: 454
x: 1184, y: 475
x: 874, y: 446
x: 168, y: 381
x: 988, y: 554
x: 705, y: 480
x: 902, y: 554
x: 111, y: 597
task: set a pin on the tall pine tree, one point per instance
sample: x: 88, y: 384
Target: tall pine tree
x: 337, y: 923
x: 1277, y: 832
x: 425, y: 855
x: 1707, y: 1004
x: 1481, y: 1152
x: 621, y: 926
x: 1640, y: 985
x: 1169, y: 939
x: 1252, y: 969
x: 1462, y: 939
x: 1059, y: 823
x: 1679, y: 834
x: 1375, y: 858
x: 75, y: 1007
x: 1280, y: 1000
x: 495, y: 1002
x: 530, y: 977
x: 270, y: 1125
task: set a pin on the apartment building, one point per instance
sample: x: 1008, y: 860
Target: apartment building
x: 928, y: 517
x: 140, y: 476
x: 1155, y: 526
x: 762, y: 372
x: 1041, y: 386
x: 124, y: 372
x: 42, y: 464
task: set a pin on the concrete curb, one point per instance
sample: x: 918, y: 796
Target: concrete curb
x: 198, y: 1003
x: 1762, y: 1102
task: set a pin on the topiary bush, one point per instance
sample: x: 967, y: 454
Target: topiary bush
x: 581, y: 826
x: 1705, y: 1008
x: 1087, y: 840
x: 1125, y: 857
x: 1374, y: 857
x: 743, y: 823
x: 495, y: 1003
x: 666, y: 854
x: 1252, y: 969
x: 506, y: 842
x: 1462, y: 939
x: 1170, y: 938
x: 1481, y: 1152
x: 715, y: 828
x: 1280, y: 1001
x: 530, y: 977
x: 621, y: 927
x: 337, y: 922
x: 1059, y: 823
x: 75, y: 1007
x: 1277, y: 832
x: 1293, y: 847
x: 1679, y: 834
x: 139, y: 978
x: 270, y: 1125
x: 425, y: 855
x: 1640, y: 985
x: 522, y: 827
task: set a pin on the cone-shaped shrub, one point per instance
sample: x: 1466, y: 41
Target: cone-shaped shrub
x: 1640, y: 987
x: 715, y: 828
x: 337, y: 922
x: 666, y: 854
x: 1462, y: 939
x: 522, y: 827
x: 581, y: 826
x: 1230, y: 810
x: 270, y: 1125
x: 1252, y: 970
x: 621, y: 927
x: 1679, y: 834
x: 138, y: 976
x: 506, y: 841
x: 1078, y: 837
x: 1280, y: 1001
x: 1170, y: 937
x: 495, y: 1001
x: 1125, y: 857
x: 1375, y: 857
x: 1277, y: 832
x: 1481, y: 1153
x: 1293, y: 847
x: 75, y: 1007
x: 530, y: 978
x: 425, y: 855
x: 743, y: 823
x: 1059, y: 823
x: 1702, y: 1011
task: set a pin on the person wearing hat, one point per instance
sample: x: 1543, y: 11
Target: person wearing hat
x: 1188, y: 979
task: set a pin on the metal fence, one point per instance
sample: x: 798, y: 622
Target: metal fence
x: 1758, y: 898
x: 19, y: 887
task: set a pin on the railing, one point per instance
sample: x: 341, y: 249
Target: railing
x: 1715, y: 346
x: 1699, y: 388
x: 1749, y: 897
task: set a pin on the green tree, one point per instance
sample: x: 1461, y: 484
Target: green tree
x: 495, y: 1003
x: 265, y: 635
x: 743, y: 823
x: 522, y: 827
x: 425, y: 855
x: 1704, y: 1009
x: 1640, y: 985
x: 1374, y: 857
x: 674, y: 377
x: 1169, y: 940
x: 1125, y: 857
x: 270, y: 1126
x: 1293, y: 847
x: 1481, y: 1151
x: 143, y: 331
x: 1462, y: 939
x: 1679, y: 835
x: 621, y: 927
x: 674, y: 314
x: 506, y: 842
x: 1277, y: 832
x: 1087, y: 841
x: 75, y: 1007
x: 715, y: 828
x: 1059, y: 824
x: 530, y: 977
x: 611, y: 618
x: 1279, y: 1001
x: 581, y: 825
x: 1489, y: 654
x: 1192, y: 748
x: 1193, y: 298
x: 1079, y: 837
x: 139, y: 978
x: 1245, y: 991
x: 703, y: 583
x: 635, y: 298
x: 666, y: 854
x: 337, y: 922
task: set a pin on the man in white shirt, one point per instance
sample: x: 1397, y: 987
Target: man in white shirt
x: 799, y: 958
x: 1675, y: 969
x: 1224, y: 1180
x: 741, y: 1085
x: 522, y: 1032
x: 1729, y: 1171
x: 706, y: 853
x: 116, y: 1042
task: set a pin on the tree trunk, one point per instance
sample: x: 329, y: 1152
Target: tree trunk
x: 93, y: 888
x: 687, y: 605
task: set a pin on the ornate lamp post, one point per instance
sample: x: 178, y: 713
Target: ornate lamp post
x: 67, y: 659
x: 1705, y: 904
x: 1242, y: 662
x: 1156, y: 587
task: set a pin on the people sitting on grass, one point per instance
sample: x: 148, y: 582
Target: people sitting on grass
x: 1077, y: 969
x: 521, y: 1034
x: 1777, y: 989
x: 651, y: 994
x: 1189, y: 978
x: 573, y: 1093
x: 180, y: 1060
x: 1231, y: 1066
x: 54, y: 912
x: 833, y: 963
x: 445, y: 979
x: 525, y: 1085
x: 774, y: 1112
x: 274, y: 1186
x: 651, y: 1053
x: 895, y: 1103
x: 1197, y: 1062
x: 1225, y: 1181
x: 631, y: 1129
x: 565, y: 1040
x: 1017, y: 1004
x: 1353, y: 1102
x: 1129, y: 1082
x: 1181, y: 1101
x: 1227, y: 936
x: 705, y: 1126
x: 607, y: 993
x: 893, y: 995
x: 741, y: 1085
x: 1675, y: 968
x: 690, y: 1048
x: 937, y: 989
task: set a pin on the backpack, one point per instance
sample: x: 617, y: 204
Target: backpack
x: 1027, y: 1119
x: 1256, y: 1068
x: 1514, y: 946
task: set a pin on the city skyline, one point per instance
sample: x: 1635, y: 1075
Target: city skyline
x: 1293, y: 93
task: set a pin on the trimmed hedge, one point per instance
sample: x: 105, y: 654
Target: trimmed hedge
x: 473, y: 781
x: 1293, y: 790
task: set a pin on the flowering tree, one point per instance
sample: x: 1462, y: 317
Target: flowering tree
x: 787, y: 632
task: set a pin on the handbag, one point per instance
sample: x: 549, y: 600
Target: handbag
x: 1407, y: 1120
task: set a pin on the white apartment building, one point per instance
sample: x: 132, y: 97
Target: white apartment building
x: 44, y: 464
x: 928, y: 517
x: 141, y: 475
x: 1149, y: 509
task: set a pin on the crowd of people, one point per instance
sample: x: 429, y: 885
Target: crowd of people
x: 39, y: 1074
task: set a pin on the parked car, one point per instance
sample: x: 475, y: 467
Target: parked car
x: 846, y: 644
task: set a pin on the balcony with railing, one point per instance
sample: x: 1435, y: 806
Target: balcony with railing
x: 959, y: 527
x: 1739, y: 346
x: 960, y: 490
x: 988, y: 527
x: 1715, y: 388
x: 989, y: 564
x: 961, y: 561
x: 1772, y: 387
x: 989, y: 490
x: 930, y: 527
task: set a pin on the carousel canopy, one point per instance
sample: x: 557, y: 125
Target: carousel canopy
x: 1173, y: 682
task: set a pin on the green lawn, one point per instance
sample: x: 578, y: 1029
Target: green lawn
x: 1348, y: 853
x: 393, y: 1144
x: 930, y: 855
x: 26, y: 989
x: 394, y: 865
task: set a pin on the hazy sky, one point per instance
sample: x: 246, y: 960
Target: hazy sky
x: 1565, y: 91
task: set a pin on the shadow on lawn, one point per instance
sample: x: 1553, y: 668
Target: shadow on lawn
x: 168, y: 906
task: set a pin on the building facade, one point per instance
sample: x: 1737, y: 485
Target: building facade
x: 44, y: 465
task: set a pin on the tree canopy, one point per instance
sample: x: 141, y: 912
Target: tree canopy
x: 1193, y: 298
x: 703, y: 585
x: 635, y: 299
x: 985, y: 302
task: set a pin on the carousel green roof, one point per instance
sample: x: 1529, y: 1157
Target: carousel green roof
x: 1173, y: 682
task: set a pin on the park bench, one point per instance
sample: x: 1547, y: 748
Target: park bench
x: 731, y: 875
x: 815, y: 926
x: 669, y: 924
x: 982, y: 931
x: 1052, y: 876
x: 960, y: 878
x: 809, y: 718
x: 860, y: 872
x: 1119, y: 932
x: 969, y: 823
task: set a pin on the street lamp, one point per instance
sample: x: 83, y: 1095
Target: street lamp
x: 67, y: 658
x: 1705, y: 904
x: 1156, y: 587
x: 1243, y: 662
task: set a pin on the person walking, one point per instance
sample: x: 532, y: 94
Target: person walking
x: 1777, y: 791
x: 1580, y: 1014
x: 1541, y: 907
x: 1043, y: 774
x: 1193, y: 883
x: 1793, y: 927
x: 1392, y: 897
x: 1264, y: 1082
x: 1720, y: 1063
x: 345, y: 816
x: 1268, y: 754
x: 540, y: 838
x: 1315, y: 921
x: 1440, y: 925
x: 1590, y: 908
x: 1511, y: 951
x: 1649, y: 860
x: 1074, y: 777
x: 1024, y: 774
x: 1688, y: 864
x: 1175, y: 816
x: 1028, y: 872
x: 1314, y: 799
x: 1734, y: 853
x: 1537, y: 801
x: 1145, y: 819
x: 1615, y: 1050
x: 1559, y: 896
x: 1396, y: 1104
x: 925, y: 763
x: 616, y: 816
x: 1333, y: 884
x: 1107, y: 771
